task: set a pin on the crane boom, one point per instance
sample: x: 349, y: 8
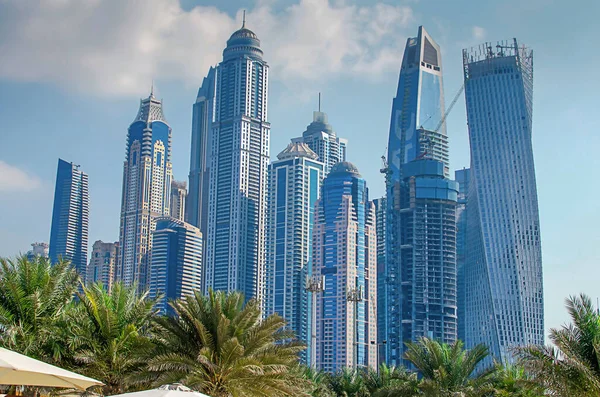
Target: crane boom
x: 454, y: 100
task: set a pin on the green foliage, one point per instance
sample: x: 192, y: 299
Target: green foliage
x: 219, y: 345
x: 109, y: 333
x: 33, y: 298
x: 512, y: 381
x: 572, y: 368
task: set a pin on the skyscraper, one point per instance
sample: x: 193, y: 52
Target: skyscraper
x: 380, y: 229
x: 235, y: 242
x: 176, y: 269
x: 345, y: 253
x: 417, y: 131
x: 102, y: 264
x: 178, y: 200
x: 147, y: 174
x: 320, y: 137
x: 503, y: 269
x: 70, y: 217
x: 462, y: 177
x: 427, y: 291
x: 294, y: 181
x: 38, y: 250
x: 200, y: 158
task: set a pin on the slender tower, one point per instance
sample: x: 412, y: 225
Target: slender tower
x: 70, y: 217
x: 504, y: 300
x: 147, y: 174
x: 235, y: 246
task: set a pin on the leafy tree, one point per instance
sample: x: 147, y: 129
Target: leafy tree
x: 34, y: 295
x: 449, y: 370
x: 572, y: 368
x: 109, y: 334
x: 219, y: 345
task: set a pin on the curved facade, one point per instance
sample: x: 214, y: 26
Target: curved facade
x: 147, y: 175
x: 503, y: 300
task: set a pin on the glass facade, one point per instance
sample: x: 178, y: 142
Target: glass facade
x: 176, y: 269
x: 503, y: 302
x: 70, y: 217
x: 345, y: 255
x: 462, y: 177
x: 239, y: 147
x: 294, y: 181
x: 147, y: 175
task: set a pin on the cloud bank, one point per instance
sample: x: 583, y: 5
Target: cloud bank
x: 13, y: 179
x: 115, y: 48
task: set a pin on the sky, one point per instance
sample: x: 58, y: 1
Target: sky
x: 72, y: 73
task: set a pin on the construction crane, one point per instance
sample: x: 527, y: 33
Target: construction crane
x: 449, y: 109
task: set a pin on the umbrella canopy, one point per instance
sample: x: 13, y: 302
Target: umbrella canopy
x: 175, y: 390
x: 20, y: 370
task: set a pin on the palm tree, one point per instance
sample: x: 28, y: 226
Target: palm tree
x: 219, y: 345
x: 34, y: 295
x: 512, y: 381
x: 109, y: 333
x: 572, y: 368
x: 390, y: 381
x: 319, y: 382
x: 348, y: 382
x: 449, y: 370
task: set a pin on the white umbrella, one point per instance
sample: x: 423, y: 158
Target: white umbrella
x: 20, y: 370
x: 175, y: 390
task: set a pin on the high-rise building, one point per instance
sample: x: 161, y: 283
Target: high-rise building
x: 235, y: 240
x: 345, y: 254
x: 380, y: 229
x: 200, y: 158
x: 427, y: 290
x: 176, y: 270
x: 462, y: 177
x: 102, y: 264
x: 70, y: 217
x: 178, y: 200
x: 147, y: 174
x: 416, y: 132
x: 294, y: 181
x: 38, y: 250
x: 504, y: 304
x: 321, y: 138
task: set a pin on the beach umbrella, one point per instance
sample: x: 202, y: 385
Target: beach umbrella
x: 174, y: 390
x: 17, y: 369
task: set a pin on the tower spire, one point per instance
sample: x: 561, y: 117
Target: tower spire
x: 319, y: 101
x: 152, y: 89
x: 244, y: 20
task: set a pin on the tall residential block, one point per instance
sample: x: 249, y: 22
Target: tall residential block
x: 70, y: 217
x: 102, y: 264
x: 147, y: 175
x: 200, y: 155
x: 176, y: 270
x: 416, y: 132
x: 462, y: 177
x: 239, y: 147
x: 345, y: 255
x: 178, y: 200
x: 322, y: 140
x: 294, y: 182
x: 38, y: 250
x: 504, y: 302
x: 380, y: 229
x: 427, y: 280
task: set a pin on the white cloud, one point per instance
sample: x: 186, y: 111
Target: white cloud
x: 13, y: 179
x: 478, y: 33
x: 111, y: 47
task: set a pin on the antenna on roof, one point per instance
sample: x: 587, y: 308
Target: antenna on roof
x: 244, y: 20
x: 319, y: 101
x: 152, y: 89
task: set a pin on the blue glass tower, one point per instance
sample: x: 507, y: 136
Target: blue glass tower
x: 294, y: 181
x: 235, y: 240
x: 70, y: 217
x: 416, y: 133
x: 503, y: 269
x: 345, y: 254
x: 462, y: 177
x: 147, y: 175
x: 382, y: 313
x: 176, y: 269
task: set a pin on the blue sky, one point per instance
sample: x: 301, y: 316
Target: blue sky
x: 72, y: 73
